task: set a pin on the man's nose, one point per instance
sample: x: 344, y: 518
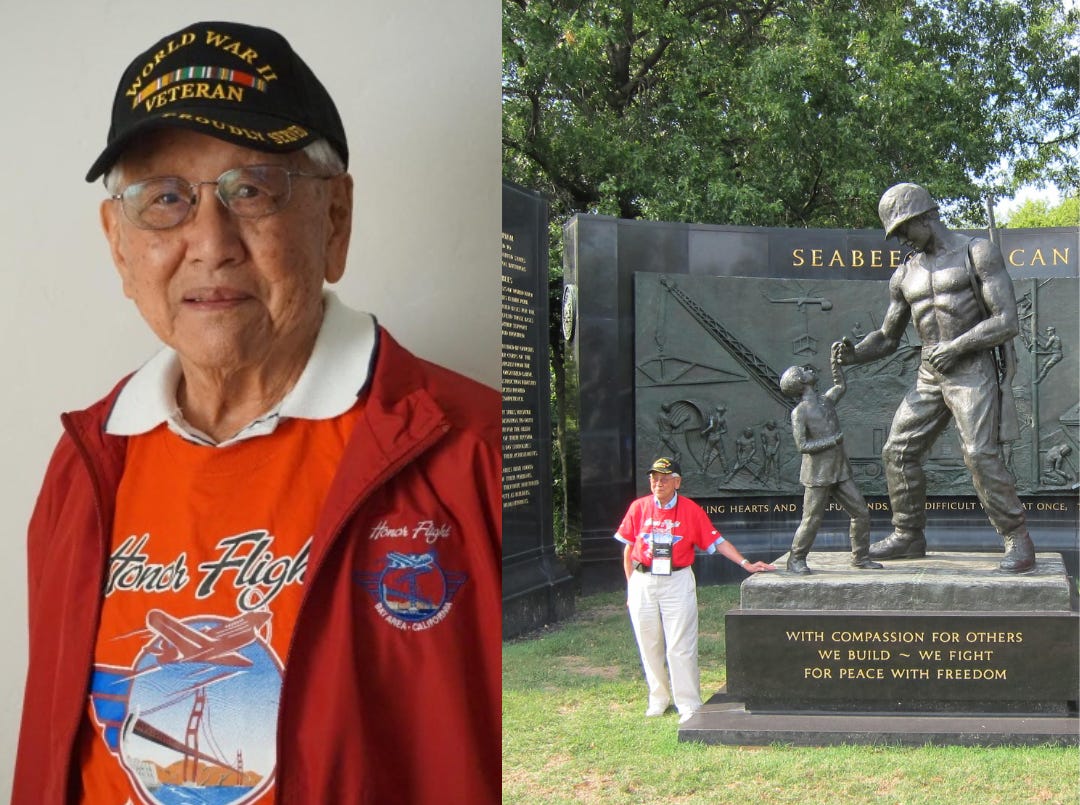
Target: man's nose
x: 213, y: 231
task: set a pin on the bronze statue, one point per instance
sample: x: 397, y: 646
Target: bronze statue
x: 826, y: 471
x: 958, y: 293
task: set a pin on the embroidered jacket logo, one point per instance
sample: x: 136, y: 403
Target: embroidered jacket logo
x: 411, y: 591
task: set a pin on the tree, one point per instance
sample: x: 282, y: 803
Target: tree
x: 780, y: 112
x: 785, y: 112
x: 1036, y: 213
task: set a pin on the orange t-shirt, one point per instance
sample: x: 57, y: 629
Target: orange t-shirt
x: 208, y: 556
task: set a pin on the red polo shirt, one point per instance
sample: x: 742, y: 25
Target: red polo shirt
x: 690, y: 528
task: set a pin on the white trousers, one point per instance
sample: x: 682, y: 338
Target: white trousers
x: 663, y: 610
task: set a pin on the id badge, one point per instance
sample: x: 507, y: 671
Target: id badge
x: 661, y: 553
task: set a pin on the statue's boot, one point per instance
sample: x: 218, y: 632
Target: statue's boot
x: 860, y: 550
x: 797, y: 564
x: 864, y: 562
x: 1019, y: 554
x: 900, y: 545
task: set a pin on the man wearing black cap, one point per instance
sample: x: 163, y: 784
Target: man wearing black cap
x: 268, y: 561
x: 660, y: 533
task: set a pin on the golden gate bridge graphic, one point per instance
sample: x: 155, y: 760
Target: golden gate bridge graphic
x: 189, y: 749
x: 164, y: 706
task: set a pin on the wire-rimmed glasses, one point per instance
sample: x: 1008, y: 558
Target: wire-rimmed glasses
x: 252, y: 191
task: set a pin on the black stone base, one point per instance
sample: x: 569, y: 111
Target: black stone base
x: 948, y: 634
x: 905, y: 662
x: 900, y: 655
x: 548, y: 601
x: 727, y: 722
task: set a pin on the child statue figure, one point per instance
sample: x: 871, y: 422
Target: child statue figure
x: 826, y: 472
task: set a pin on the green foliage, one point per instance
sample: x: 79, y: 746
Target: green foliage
x: 784, y: 112
x: 1036, y: 213
x: 574, y: 730
x: 791, y: 113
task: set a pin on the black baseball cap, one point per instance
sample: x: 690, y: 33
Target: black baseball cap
x: 236, y: 82
x: 666, y: 466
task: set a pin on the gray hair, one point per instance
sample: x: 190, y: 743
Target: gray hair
x: 322, y: 156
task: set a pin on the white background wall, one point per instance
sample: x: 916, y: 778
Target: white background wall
x: 417, y: 84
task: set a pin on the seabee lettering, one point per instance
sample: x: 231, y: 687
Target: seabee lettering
x: 853, y: 258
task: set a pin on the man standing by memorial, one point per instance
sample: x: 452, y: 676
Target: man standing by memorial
x: 660, y: 533
x: 958, y: 294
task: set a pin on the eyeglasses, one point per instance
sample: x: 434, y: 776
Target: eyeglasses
x: 253, y: 191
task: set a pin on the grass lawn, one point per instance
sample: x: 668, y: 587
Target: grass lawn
x: 574, y: 730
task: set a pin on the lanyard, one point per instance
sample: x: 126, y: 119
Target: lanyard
x: 661, y: 564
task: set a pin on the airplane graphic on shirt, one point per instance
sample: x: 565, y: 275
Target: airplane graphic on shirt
x: 215, y: 645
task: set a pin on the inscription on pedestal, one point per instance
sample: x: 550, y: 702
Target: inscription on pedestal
x: 991, y: 662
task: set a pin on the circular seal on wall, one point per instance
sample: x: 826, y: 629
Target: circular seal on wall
x: 569, y: 311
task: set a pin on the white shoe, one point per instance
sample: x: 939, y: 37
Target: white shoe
x: 656, y: 711
x: 684, y: 717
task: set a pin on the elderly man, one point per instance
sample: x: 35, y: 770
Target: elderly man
x: 268, y: 561
x: 660, y: 533
x: 958, y: 294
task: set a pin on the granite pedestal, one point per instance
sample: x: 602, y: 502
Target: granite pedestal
x: 946, y: 649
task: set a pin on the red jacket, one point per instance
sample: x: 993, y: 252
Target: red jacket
x: 374, y: 709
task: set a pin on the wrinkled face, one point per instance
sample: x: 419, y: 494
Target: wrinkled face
x: 230, y: 293
x: 663, y: 485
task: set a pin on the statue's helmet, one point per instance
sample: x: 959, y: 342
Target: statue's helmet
x: 901, y: 203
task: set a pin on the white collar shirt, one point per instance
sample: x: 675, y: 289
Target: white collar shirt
x: 334, y: 375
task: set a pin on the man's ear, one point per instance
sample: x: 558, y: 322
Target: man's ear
x: 110, y: 213
x: 340, y: 227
